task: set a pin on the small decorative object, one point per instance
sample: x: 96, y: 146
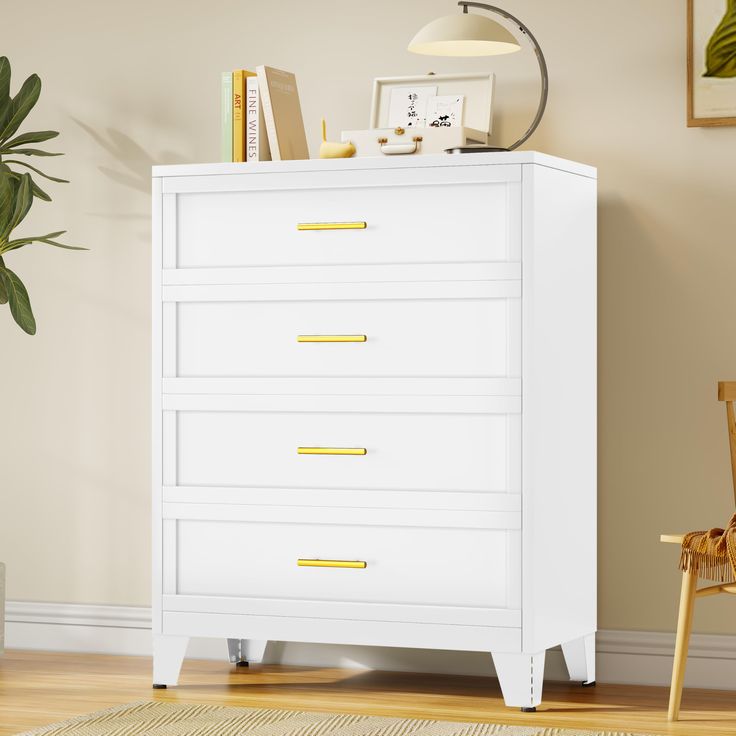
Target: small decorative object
x: 470, y: 34
x: 334, y: 150
x: 408, y: 106
x: 711, y: 62
x: 18, y: 190
x: 454, y: 109
x: 445, y: 111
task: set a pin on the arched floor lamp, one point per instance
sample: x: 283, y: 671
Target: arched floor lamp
x: 469, y: 34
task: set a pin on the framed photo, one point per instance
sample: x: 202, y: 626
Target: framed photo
x: 711, y: 62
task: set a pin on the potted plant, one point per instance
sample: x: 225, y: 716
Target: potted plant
x: 18, y: 188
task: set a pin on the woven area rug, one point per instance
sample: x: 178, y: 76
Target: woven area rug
x: 175, y: 719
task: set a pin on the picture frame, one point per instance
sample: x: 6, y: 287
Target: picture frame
x: 477, y: 89
x: 711, y: 63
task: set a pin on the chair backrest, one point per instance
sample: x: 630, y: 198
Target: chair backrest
x: 727, y: 393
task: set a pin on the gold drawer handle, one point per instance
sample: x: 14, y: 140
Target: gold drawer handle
x: 354, y: 564
x: 331, y: 338
x: 331, y: 451
x: 332, y: 226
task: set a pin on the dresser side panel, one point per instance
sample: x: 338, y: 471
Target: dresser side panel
x: 559, y: 516
x: 157, y: 233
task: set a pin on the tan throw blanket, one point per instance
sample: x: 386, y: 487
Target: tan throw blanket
x: 711, y: 554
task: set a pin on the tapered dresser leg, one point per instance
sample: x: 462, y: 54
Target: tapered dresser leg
x: 521, y: 677
x: 580, y: 659
x: 242, y: 652
x: 168, y: 655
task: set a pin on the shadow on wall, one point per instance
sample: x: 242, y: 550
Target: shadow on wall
x: 134, y: 171
x: 136, y: 162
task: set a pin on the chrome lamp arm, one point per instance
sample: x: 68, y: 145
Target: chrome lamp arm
x: 465, y: 4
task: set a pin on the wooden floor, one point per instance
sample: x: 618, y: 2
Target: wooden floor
x: 38, y: 688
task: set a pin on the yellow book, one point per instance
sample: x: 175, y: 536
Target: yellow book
x: 239, y: 83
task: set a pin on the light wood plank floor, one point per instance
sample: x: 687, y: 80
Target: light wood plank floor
x: 38, y: 688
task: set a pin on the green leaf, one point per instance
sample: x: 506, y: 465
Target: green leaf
x: 23, y: 202
x: 38, y: 192
x: 21, y: 105
x: 38, y: 136
x: 20, y: 304
x: 4, y: 91
x: 7, y: 200
x: 4, y: 77
x: 27, y: 152
x: 3, y: 290
x: 33, y: 168
x: 720, y: 54
x: 46, y: 239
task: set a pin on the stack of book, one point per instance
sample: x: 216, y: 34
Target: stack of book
x: 261, y: 116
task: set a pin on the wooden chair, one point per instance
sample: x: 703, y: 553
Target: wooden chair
x: 689, y: 591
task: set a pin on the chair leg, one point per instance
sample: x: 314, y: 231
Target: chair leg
x: 684, y: 626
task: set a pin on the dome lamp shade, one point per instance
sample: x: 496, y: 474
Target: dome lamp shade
x: 466, y: 34
x: 469, y: 34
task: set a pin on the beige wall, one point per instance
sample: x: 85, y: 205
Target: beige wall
x: 135, y: 83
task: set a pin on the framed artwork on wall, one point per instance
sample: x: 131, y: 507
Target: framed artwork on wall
x: 711, y: 62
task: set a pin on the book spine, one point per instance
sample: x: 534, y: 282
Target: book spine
x: 226, y: 117
x: 252, y: 127
x: 265, y: 95
x: 238, y: 116
x: 264, y: 150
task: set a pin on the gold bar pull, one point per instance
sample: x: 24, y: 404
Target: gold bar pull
x: 331, y: 338
x: 354, y: 564
x: 332, y: 225
x: 331, y: 451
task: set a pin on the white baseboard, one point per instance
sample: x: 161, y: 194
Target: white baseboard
x: 628, y: 657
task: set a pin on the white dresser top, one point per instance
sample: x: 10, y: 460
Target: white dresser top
x: 387, y: 162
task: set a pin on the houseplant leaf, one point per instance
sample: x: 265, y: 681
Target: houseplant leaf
x: 30, y: 152
x: 18, y: 190
x: 46, y: 239
x: 21, y: 105
x: 720, y: 54
x: 7, y: 201
x: 38, y: 136
x: 23, y: 201
x: 20, y: 304
x: 37, y: 191
x: 40, y: 173
x: 4, y: 78
x: 4, y: 91
x: 3, y: 290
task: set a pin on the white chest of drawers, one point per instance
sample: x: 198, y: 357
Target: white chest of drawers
x: 374, y: 408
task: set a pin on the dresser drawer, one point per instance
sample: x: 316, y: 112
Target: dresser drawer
x: 344, y: 450
x: 441, y: 337
x: 424, y: 220
x: 458, y: 567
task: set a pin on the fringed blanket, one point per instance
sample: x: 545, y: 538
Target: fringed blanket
x: 711, y: 554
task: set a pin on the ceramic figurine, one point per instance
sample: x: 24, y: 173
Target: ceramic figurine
x: 334, y: 150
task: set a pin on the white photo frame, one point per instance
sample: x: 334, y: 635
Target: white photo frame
x: 477, y: 88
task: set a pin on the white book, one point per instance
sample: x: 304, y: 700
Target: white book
x: 256, y: 139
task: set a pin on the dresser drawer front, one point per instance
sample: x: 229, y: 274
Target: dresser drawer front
x: 459, y: 567
x: 349, y: 338
x: 388, y: 451
x: 413, y: 223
